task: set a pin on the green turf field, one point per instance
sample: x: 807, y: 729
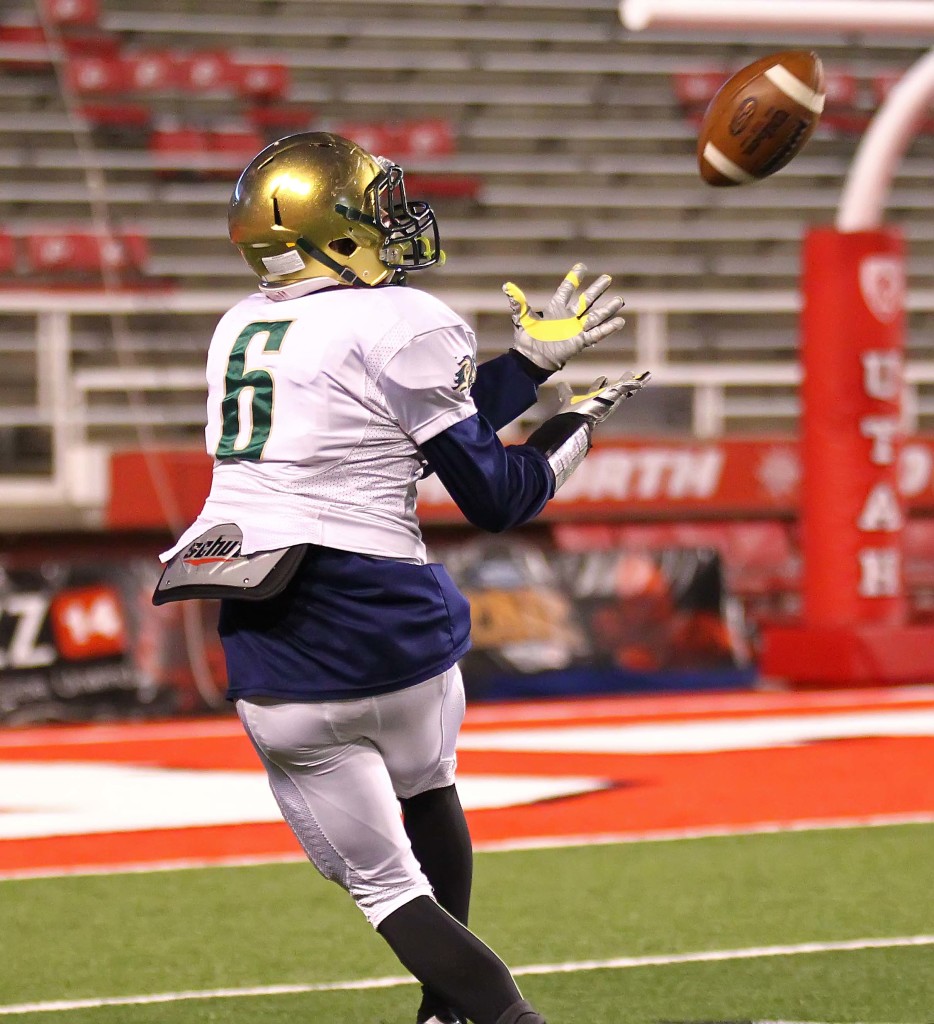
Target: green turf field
x: 230, y: 928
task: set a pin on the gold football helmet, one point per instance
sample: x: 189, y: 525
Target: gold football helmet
x: 317, y: 205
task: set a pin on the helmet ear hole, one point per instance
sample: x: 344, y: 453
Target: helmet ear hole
x: 343, y: 246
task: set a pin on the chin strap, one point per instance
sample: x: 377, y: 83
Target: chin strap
x: 344, y: 273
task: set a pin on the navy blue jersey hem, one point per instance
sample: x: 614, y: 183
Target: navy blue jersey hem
x: 347, y: 625
x: 245, y: 693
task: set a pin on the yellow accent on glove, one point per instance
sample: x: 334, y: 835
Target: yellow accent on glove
x: 590, y: 394
x: 546, y: 330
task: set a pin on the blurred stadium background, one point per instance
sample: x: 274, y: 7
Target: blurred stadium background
x: 542, y: 131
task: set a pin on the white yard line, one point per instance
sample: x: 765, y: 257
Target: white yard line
x: 502, y: 846
x: 686, y: 705
x: 616, y: 963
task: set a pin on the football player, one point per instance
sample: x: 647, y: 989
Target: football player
x: 331, y: 390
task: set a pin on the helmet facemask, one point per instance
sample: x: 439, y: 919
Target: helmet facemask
x: 409, y: 226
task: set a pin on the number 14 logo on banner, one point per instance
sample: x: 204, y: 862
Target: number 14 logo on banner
x: 88, y: 623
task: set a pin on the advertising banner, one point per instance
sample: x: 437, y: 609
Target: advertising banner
x: 550, y: 621
x: 73, y: 643
x: 651, y: 479
x: 81, y: 640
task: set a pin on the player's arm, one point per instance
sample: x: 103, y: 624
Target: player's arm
x: 428, y: 386
x: 495, y: 486
x: 499, y: 487
x: 506, y: 387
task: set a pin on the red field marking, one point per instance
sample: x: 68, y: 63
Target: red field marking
x: 219, y: 843
x: 816, y: 782
x: 831, y: 781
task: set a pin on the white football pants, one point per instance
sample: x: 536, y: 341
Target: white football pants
x: 337, y: 767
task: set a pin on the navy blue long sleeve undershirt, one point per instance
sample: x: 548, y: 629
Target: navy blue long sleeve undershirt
x: 495, y: 486
x: 505, y: 387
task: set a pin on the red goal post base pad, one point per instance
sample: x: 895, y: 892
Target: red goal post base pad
x: 870, y: 654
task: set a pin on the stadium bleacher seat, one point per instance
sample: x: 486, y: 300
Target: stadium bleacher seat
x: 153, y: 71
x: 72, y: 12
x: 206, y: 71
x: 84, y: 252
x: 276, y: 119
x: 402, y: 139
x: 117, y: 115
x: 238, y: 142
x: 98, y: 74
x: 695, y: 89
x: 7, y: 253
x: 267, y: 81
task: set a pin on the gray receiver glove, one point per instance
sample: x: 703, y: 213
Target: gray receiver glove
x: 565, y: 438
x: 568, y: 324
x: 602, y: 397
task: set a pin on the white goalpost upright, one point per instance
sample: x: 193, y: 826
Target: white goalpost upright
x: 855, y: 626
x: 862, y: 204
x: 908, y: 17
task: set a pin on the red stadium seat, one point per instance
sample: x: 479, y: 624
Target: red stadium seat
x: 127, y: 251
x: 695, y: 89
x: 7, y: 253
x: 424, y: 138
x: 433, y: 137
x: 235, y: 146
x: 72, y: 12
x: 84, y: 252
x: 91, y: 44
x: 178, y: 140
x: 155, y: 71
x: 187, y: 144
x: 243, y: 142
x: 841, y: 89
x: 26, y: 38
x: 261, y: 81
x: 883, y: 84
x: 208, y: 71
x: 117, y: 115
x: 22, y: 35
x: 842, y: 106
x: 274, y: 120
x: 374, y: 138
x: 58, y: 252
x: 97, y: 75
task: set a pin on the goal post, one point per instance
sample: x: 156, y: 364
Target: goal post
x: 854, y: 628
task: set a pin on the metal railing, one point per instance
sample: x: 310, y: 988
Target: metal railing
x: 67, y: 403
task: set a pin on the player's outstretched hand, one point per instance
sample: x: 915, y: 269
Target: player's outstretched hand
x: 601, y: 397
x: 569, y: 323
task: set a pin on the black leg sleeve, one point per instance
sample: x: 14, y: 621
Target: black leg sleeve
x: 435, y: 824
x: 452, y: 961
x: 437, y: 829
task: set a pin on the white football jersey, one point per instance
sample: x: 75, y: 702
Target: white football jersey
x: 317, y: 403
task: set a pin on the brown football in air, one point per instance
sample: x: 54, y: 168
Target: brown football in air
x: 761, y: 118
